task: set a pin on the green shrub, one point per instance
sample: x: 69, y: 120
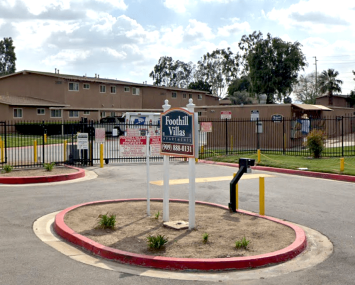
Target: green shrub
x: 156, y: 242
x: 107, y: 221
x: 8, y: 168
x: 205, y: 237
x: 157, y: 215
x: 49, y: 166
x: 315, y: 142
x: 243, y: 243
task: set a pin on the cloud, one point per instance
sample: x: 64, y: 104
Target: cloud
x: 179, y: 6
x: 234, y: 28
x: 196, y: 31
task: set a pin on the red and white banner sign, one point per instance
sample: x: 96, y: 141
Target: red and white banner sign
x: 206, y: 127
x: 226, y: 115
x: 137, y: 146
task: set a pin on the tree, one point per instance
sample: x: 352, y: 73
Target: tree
x: 247, y: 44
x: 239, y: 84
x: 240, y: 98
x: 328, y: 83
x: 200, y: 85
x: 351, y: 99
x: 305, y: 89
x: 273, y: 66
x: 218, y: 68
x: 172, y: 73
x: 7, y: 57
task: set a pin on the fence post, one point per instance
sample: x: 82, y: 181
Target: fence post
x: 284, y: 135
x: 226, y: 136
x: 257, y: 134
x: 44, y: 141
x: 342, y: 135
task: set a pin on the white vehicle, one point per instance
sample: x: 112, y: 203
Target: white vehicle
x: 140, y: 121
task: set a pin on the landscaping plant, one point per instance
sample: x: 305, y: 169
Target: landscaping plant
x: 8, y: 168
x: 49, y: 166
x: 315, y: 142
x: 243, y: 243
x: 107, y: 221
x: 157, y: 215
x: 156, y: 242
x: 205, y: 237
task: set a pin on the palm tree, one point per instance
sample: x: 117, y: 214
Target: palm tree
x: 328, y: 83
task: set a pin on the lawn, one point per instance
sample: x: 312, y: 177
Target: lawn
x: 25, y: 140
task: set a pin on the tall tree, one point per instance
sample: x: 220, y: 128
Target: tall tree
x: 200, y: 85
x: 273, y: 66
x: 239, y: 84
x: 328, y: 83
x: 7, y: 57
x: 247, y: 44
x: 172, y: 73
x: 240, y: 98
x: 218, y: 68
x: 305, y: 89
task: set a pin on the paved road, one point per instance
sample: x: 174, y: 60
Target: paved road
x: 324, y: 205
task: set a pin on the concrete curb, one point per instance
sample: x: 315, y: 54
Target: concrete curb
x: 339, y: 177
x: 170, y: 263
x: 44, y: 179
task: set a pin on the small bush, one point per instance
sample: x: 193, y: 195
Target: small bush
x: 315, y: 142
x: 107, y: 221
x: 205, y: 237
x: 157, y: 215
x: 8, y: 168
x: 243, y: 243
x: 49, y: 166
x: 156, y: 242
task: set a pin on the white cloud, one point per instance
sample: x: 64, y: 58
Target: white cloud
x: 119, y: 4
x: 64, y: 57
x: 234, y: 28
x: 178, y: 6
x: 197, y: 30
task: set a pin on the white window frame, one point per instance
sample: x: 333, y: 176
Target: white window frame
x: 114, y: 87
x: 126, y: 89
x: 73, y: 114
x: 174, y: 95
x: 75, y: 86
x: 56, y: 110
x: 19, y: 113
x: 86, y: 113
x: 103, y: 114
x: 86, y: 86
x: 102, y: 87
x: 135, y: 91
x: 184, y: 95
x: 199, y: 97
x: 39, y: 113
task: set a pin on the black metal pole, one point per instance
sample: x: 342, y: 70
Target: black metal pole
x: 232, y: 202
x: 257, y: 134
x: 5, y: 144
x: 44, y: 131
x: 226, y: 136
x: 283, y: 136
x: 342, y: 136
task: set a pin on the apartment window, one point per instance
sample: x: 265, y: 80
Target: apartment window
x: 199, y: 114
x: 103, y: 114
x: 135, y: 91
x: 40, y: 111
x: 113, y: 114
x: 86, y: 86
x: 184, y: 95
x: 199, y: 96
x: 102, y: 88
x: 173, y: 95
x: 86, y: 112
x: 73, y: 114
x: 56, y: 113
x: 113, y: 89
x: 126, y: 89
x: 17, y: 113
x: 73, y: 86
x: 190, y: 96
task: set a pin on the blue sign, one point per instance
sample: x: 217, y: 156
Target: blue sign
x: 139, y: 121
x: 177, y: 133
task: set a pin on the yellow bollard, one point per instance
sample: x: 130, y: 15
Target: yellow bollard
x: 342, y: 164
x: 35, y: 150
x: 196, y: 160
x: 262, y: 196
x: 101, y: 155
x: 236, y: 194
x: 259, y: 155
x: 2, y: 150
x: 65, y: 150
x: 45, y: 138
x: 202, y: 149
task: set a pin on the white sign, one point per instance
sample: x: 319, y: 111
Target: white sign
x: 226, y: 115
x: 99, y: 135
x: 155, y: 142
x: 254, y: 115
x: 83, y: 140
x: 133, y: 146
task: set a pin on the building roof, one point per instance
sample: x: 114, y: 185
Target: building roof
x: 28, y: 101
x: 98, y: 79
x: 309, y: 107
x: 334, y: 95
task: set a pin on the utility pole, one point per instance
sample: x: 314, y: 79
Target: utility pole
x: 315, y: 63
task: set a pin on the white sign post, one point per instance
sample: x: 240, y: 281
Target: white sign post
x: 148, y: 174
x: 166, y: 107
x: 192, y: 176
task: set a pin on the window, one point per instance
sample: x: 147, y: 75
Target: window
x: 86, y: 86
x: 190, y: 96
x: 40, y: 111
x: 103, y: 114
x: 199, y: 96
x: 56, y: 113
x: 102, y: 88
x: 173, y: 95
x: 199, y: 114
x: 73, y: 114
x: 126, y: 89
x: 113, y: 89
x: 73, y: 86
x: 135, y: 91
x: 86, y: 112
x: 113, y: 114
x: 184, y: 95
x: 17, y: 113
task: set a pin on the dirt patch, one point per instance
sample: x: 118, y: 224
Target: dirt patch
x: 224, y: 229
x: 57, y: 170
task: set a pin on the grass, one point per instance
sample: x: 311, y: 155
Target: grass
x: 49, y: 166
x: 107, y: 221
x: 323, y: 164
x: 156, y: 242
x: 157, y: 215
x: 243, y: 243
x: 24, y: 140
x: 205, y: 237
x: 7, y: 168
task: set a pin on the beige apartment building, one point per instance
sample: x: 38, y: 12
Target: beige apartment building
x: 37, y: 96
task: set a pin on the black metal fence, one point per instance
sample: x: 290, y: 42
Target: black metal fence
x: 31, y: 144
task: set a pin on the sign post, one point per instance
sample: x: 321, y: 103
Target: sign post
x: 148, y: 174
x: 166, y: 107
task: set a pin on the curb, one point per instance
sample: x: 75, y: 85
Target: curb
x: 44, y: 179
x: 170, y: 263
x: 339, y: 177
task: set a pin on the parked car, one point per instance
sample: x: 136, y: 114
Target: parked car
x: 111, y: 123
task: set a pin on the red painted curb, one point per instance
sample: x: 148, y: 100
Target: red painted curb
x: 170, y: 263
x: 43, y: 179
x: 339, y: 177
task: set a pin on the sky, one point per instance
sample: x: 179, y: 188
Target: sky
x: 124, y: 39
